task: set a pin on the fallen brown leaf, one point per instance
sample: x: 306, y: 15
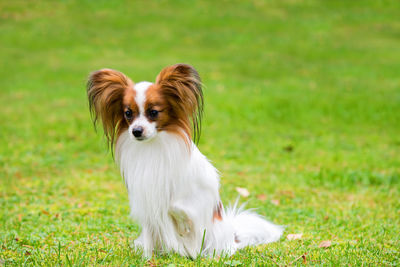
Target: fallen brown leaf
x: 304, y: 258
x: 243, y: 191
x: 325, y: 244
x: 288, y: 148
x: 262, y: 197
x: 294, y: 236
x: 45, y: 212
x: 276, y: 202
x: 287, y: 193
x: 300, y: 257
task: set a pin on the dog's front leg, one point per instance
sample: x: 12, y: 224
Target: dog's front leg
x: 145, y: 242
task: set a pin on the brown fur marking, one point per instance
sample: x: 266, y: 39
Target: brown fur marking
x: 218, y: 212
x: 106, y: 89
x: 180, y: 85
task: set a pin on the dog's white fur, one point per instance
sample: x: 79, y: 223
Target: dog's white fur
x: 173, y: 193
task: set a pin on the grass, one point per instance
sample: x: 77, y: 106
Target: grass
x: 302, y: 109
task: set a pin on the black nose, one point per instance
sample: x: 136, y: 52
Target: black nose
x: 137, y: 131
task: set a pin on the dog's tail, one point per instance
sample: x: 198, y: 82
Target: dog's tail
x: 250, y: 228
x: 238, y: 228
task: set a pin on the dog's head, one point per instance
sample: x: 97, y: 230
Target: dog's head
x: 174, y: 103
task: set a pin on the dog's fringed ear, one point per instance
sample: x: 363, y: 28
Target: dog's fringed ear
x: 181, y: 85
x: 105, y: 90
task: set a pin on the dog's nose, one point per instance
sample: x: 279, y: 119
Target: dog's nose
x: 137, y: 131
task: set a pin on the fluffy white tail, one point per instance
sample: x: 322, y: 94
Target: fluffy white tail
x: 250, y: 228
x: 240, y: 228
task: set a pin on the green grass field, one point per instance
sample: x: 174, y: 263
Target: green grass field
x: 302, y: 108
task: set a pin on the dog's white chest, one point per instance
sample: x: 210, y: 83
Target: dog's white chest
x: 151, y: 173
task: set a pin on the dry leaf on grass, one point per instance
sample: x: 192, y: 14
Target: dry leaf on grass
x: 300, y: 257
x: 45, y: 212
x: 241, y: 173
x: 287, y: 193
x: 262, y: 197
x: 304, y: 258
x: 294, y: 236
x: 288, y: 148
x: 243, y: 191
x: 325, y: 244
x: 276, y: 202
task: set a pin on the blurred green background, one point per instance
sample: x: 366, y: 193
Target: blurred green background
x: 302, y: 108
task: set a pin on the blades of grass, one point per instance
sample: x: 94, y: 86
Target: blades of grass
x: 81, y: 258
x: 67, y: 259
x: 59, y: 253
x: 105, y: 258
x: 201, y: 248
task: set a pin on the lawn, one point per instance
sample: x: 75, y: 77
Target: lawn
x: 302, y: 108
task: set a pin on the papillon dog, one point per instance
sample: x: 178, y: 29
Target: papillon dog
x: 172, y: 187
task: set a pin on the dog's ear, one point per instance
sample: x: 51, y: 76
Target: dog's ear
x: 106, y: 89
x: 181, y: 85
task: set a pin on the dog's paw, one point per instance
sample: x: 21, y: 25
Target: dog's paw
x: 182, y: 222
x: 138, y: 243
x: 141, y: 248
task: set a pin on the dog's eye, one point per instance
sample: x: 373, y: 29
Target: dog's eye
x: 128, y: 114
x: 153, y: 113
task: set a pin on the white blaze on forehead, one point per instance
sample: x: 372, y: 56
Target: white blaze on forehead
x: 140, y: 97
x: 149, y: 128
